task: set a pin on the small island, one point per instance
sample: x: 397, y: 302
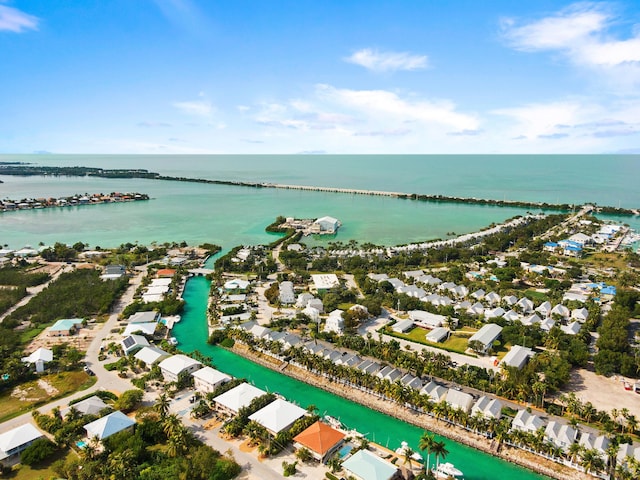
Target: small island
x: 8, y: 205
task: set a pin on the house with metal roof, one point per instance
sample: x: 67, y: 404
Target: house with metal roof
x: 286, y: 294
x: 402, y: 326
x: 517, y: 357
x: 321, y: 440
x: 144, y: 317
x: 365, y: 465
x: 151, y: 355
x: 561, y: 435
x: 488, y: 407
x: 524, y: 305
x: 39, y: 358
x: 459, y: 400
x: 207, y: 379
x: 147, y: 328
x: 434, y: 391
x: 426, y: 319
x: 437, y: 334
x: 89, y: 406
x: 108, y: 425
x: 486, y: 336
x: 16, y: 440
x: 279, y: 415
x: 65, y: 327
x: 527, y: 422
x: 177, y: 365
x: 238, y: 397
x: 572, y: 329
x: 133, y: 343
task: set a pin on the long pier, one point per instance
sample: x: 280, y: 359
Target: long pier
x: 352, y: 191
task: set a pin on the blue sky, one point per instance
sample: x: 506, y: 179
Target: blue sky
x: 241, y: 76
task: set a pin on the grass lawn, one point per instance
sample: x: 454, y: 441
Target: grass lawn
x: 605, y: 260
x: 457, y: 342
x: 34, y: 395
x: 533, y: 295
x: 42, y: 470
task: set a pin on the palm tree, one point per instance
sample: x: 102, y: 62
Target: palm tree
x: 426, y: 444
x: 575, y: 449
x: 408, y: 452
x: 162, y: 405
x: 591, y: 461
x: 439, y: 449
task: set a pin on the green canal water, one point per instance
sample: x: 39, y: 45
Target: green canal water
x: 192, y: 334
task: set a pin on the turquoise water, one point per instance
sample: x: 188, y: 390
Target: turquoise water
x: 230, y: 216
x: 192, y: 334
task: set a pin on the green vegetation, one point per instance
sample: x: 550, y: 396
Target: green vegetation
x: 20, y: 277
x: 10, y: 296
x: 38, y: 451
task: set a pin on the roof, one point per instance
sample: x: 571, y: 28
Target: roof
x: 147, y: 328
x: 134, y: 341
x: 108, y: 425
x: 178, y: 363
x: 325, y: 281
x: 239, y: 397
x: 278, y: 415
x: 17, y: 437
x: 517, y: 356
x: 403, y: 325
x: 437, y: 334
x: 487, y: 334
x: 319, y: 437
x: 459, y: 399
x: 211, y: 375
x: 143, y: 317
x: 150, y: 355
x: 65, y: 324
x: 88, y: 406
x: 368, y: 466
x: 41, y: 354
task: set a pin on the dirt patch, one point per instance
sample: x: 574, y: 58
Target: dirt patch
x: 47, y: 387
x: 27, y: 394
x: 246, y: 446
x: 604, y: 393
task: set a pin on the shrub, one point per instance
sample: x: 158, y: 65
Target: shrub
x: 38, y: 451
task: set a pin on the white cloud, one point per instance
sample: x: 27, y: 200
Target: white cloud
x: 198, y: 108
x: 541, y: 120
x: 581, y: 32
x: 387, y: 61
x: 14, y: 20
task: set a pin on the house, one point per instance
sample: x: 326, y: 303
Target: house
x: 511, y: 315
x: 544, y: 309
x: 561, y: 311
x: 517, y: 357
x: 531, y: 320
x: 165, y: 273
x: 415, y: 274
x: 434, y: 391
x: 488, y: 407
x: 427, y: 319
x: 561, y: 435
x: 303, y: 299
x: 510, y: 300
x: 39, y: 358
x: 527, y: 422
x: 494, y: 313
x: 144, y: 328
x: 580, y: 314
x: 238, y: 397
x: 600, y: 443
x: 89, y: 406
x: 364, y: 465
x: 476, y: 309
x: 287, y: 296
x: 335, y: 322
x: 492, y: 298
x: 459, y: 400
x: 133, y: 343
x: 321, y: 440
x: 317, y: 304
x: 525, y: 305
x: 236, y: 284
x: 581, y: 239
x: 174, y: 367
x: 65, y: 327
x: 411, y: 381
x: 16, y: 440
x: 118, y: 270
x: 279, y: 415
x: 325, y: 281
x: 486, y: 336
x: 144, y: 317
x: 378, y: 277
x: 478, y: 294
x: 108, y: 425
x: 312, y: 313
x: 547, y: 324
x: 438, y: 334
x: 326, y: 225
x: 413, y: 291
x: 550, y: 247
x: 403, y: 326
x: 151, y: 355
x: 207, y: 379
x: 572, y: 329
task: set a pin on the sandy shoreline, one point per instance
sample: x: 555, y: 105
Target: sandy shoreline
x: 520, y: 457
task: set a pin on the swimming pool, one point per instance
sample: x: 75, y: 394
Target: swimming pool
x: 345, y: 450
x: 81, y: 444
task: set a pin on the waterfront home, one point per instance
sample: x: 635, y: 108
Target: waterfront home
x: 581, y: 239
x: 133, y: 343
x: 371, y: 368
x: 39, y: 358
x: 517, y: 357
x: 434, y: 391
x: 89, y: 406
x: 589, y: 441
x: 389, y: 373
x: 561, y: 435
x: 143, y: 328
x: 335, y: 322
x: 144, y: 317
x: 527, y: 422
x: 238, y: 397
x: 486, y: 336
x: 236, y: 284
x: 626, y: 451
x: 488, y: 407
x: 349, y: 359
x: 325, y: 225
x: 166, y: 273
x: 426, y: 319
x: 290, y: 340
x: 174, y: 367
x: 411, y: 381
x: 402, y: 326
x: 365, y: 465
x: 286, y: 294
x: 459, y: 400
x: 16, y: 440
x: 151, y: 355
x: 279, y: 415
x: 207, y: 379
x: 108, y: 425
x: 65, y: 327
x: 321, y: 440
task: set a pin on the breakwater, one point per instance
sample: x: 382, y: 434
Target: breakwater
x: 30, y: 170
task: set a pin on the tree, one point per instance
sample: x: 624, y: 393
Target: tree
x: 591, y: 461
x: 38, y: 451
x: 304, y: 455
x: 162, y: 405
x: 289, y: 469
x: 128, y: 401
x: 439, y: 449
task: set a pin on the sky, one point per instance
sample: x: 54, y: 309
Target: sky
x: 330, y: 76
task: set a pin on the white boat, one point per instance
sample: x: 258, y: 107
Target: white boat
x: 447, y: 470
x: 173, y: 341
x: 403, y: 448
x: 334, y: 422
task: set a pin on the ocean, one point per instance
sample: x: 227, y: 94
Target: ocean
x: 228, y: 215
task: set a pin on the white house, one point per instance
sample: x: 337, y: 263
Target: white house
x: 325, y: 281
x: 287, y: 295
x: 525, y: 305
x: 39, y: 358
x: 560, y: 310
x: 544, y: 309
x: 561, y: 435
x: 486, y: 336
x: 434, y: 391
x: 459, y: 400
x: 151, y: 355
x: 238, y: 397
x: 580, y: 314
x: 327, y: 224
x: 207, y: 379
x: 133, y: 343
x: 16, y: 440
x: 335, y: 322
x: 527, y: 422
x: 108, y: 425
x: 437, y: 334
x: 517, y: 357
x: 426, y: 319
x: 173, y: 367
x: 279, y: 415
x: 403, y: 326
x: 89, y: 406
x: 488, y: 407
x: 572, y: 329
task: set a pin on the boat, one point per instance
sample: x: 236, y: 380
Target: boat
x: 447, y: 470
x: 334, y: 422
x: 403, y: 448
x: 173, y: 341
